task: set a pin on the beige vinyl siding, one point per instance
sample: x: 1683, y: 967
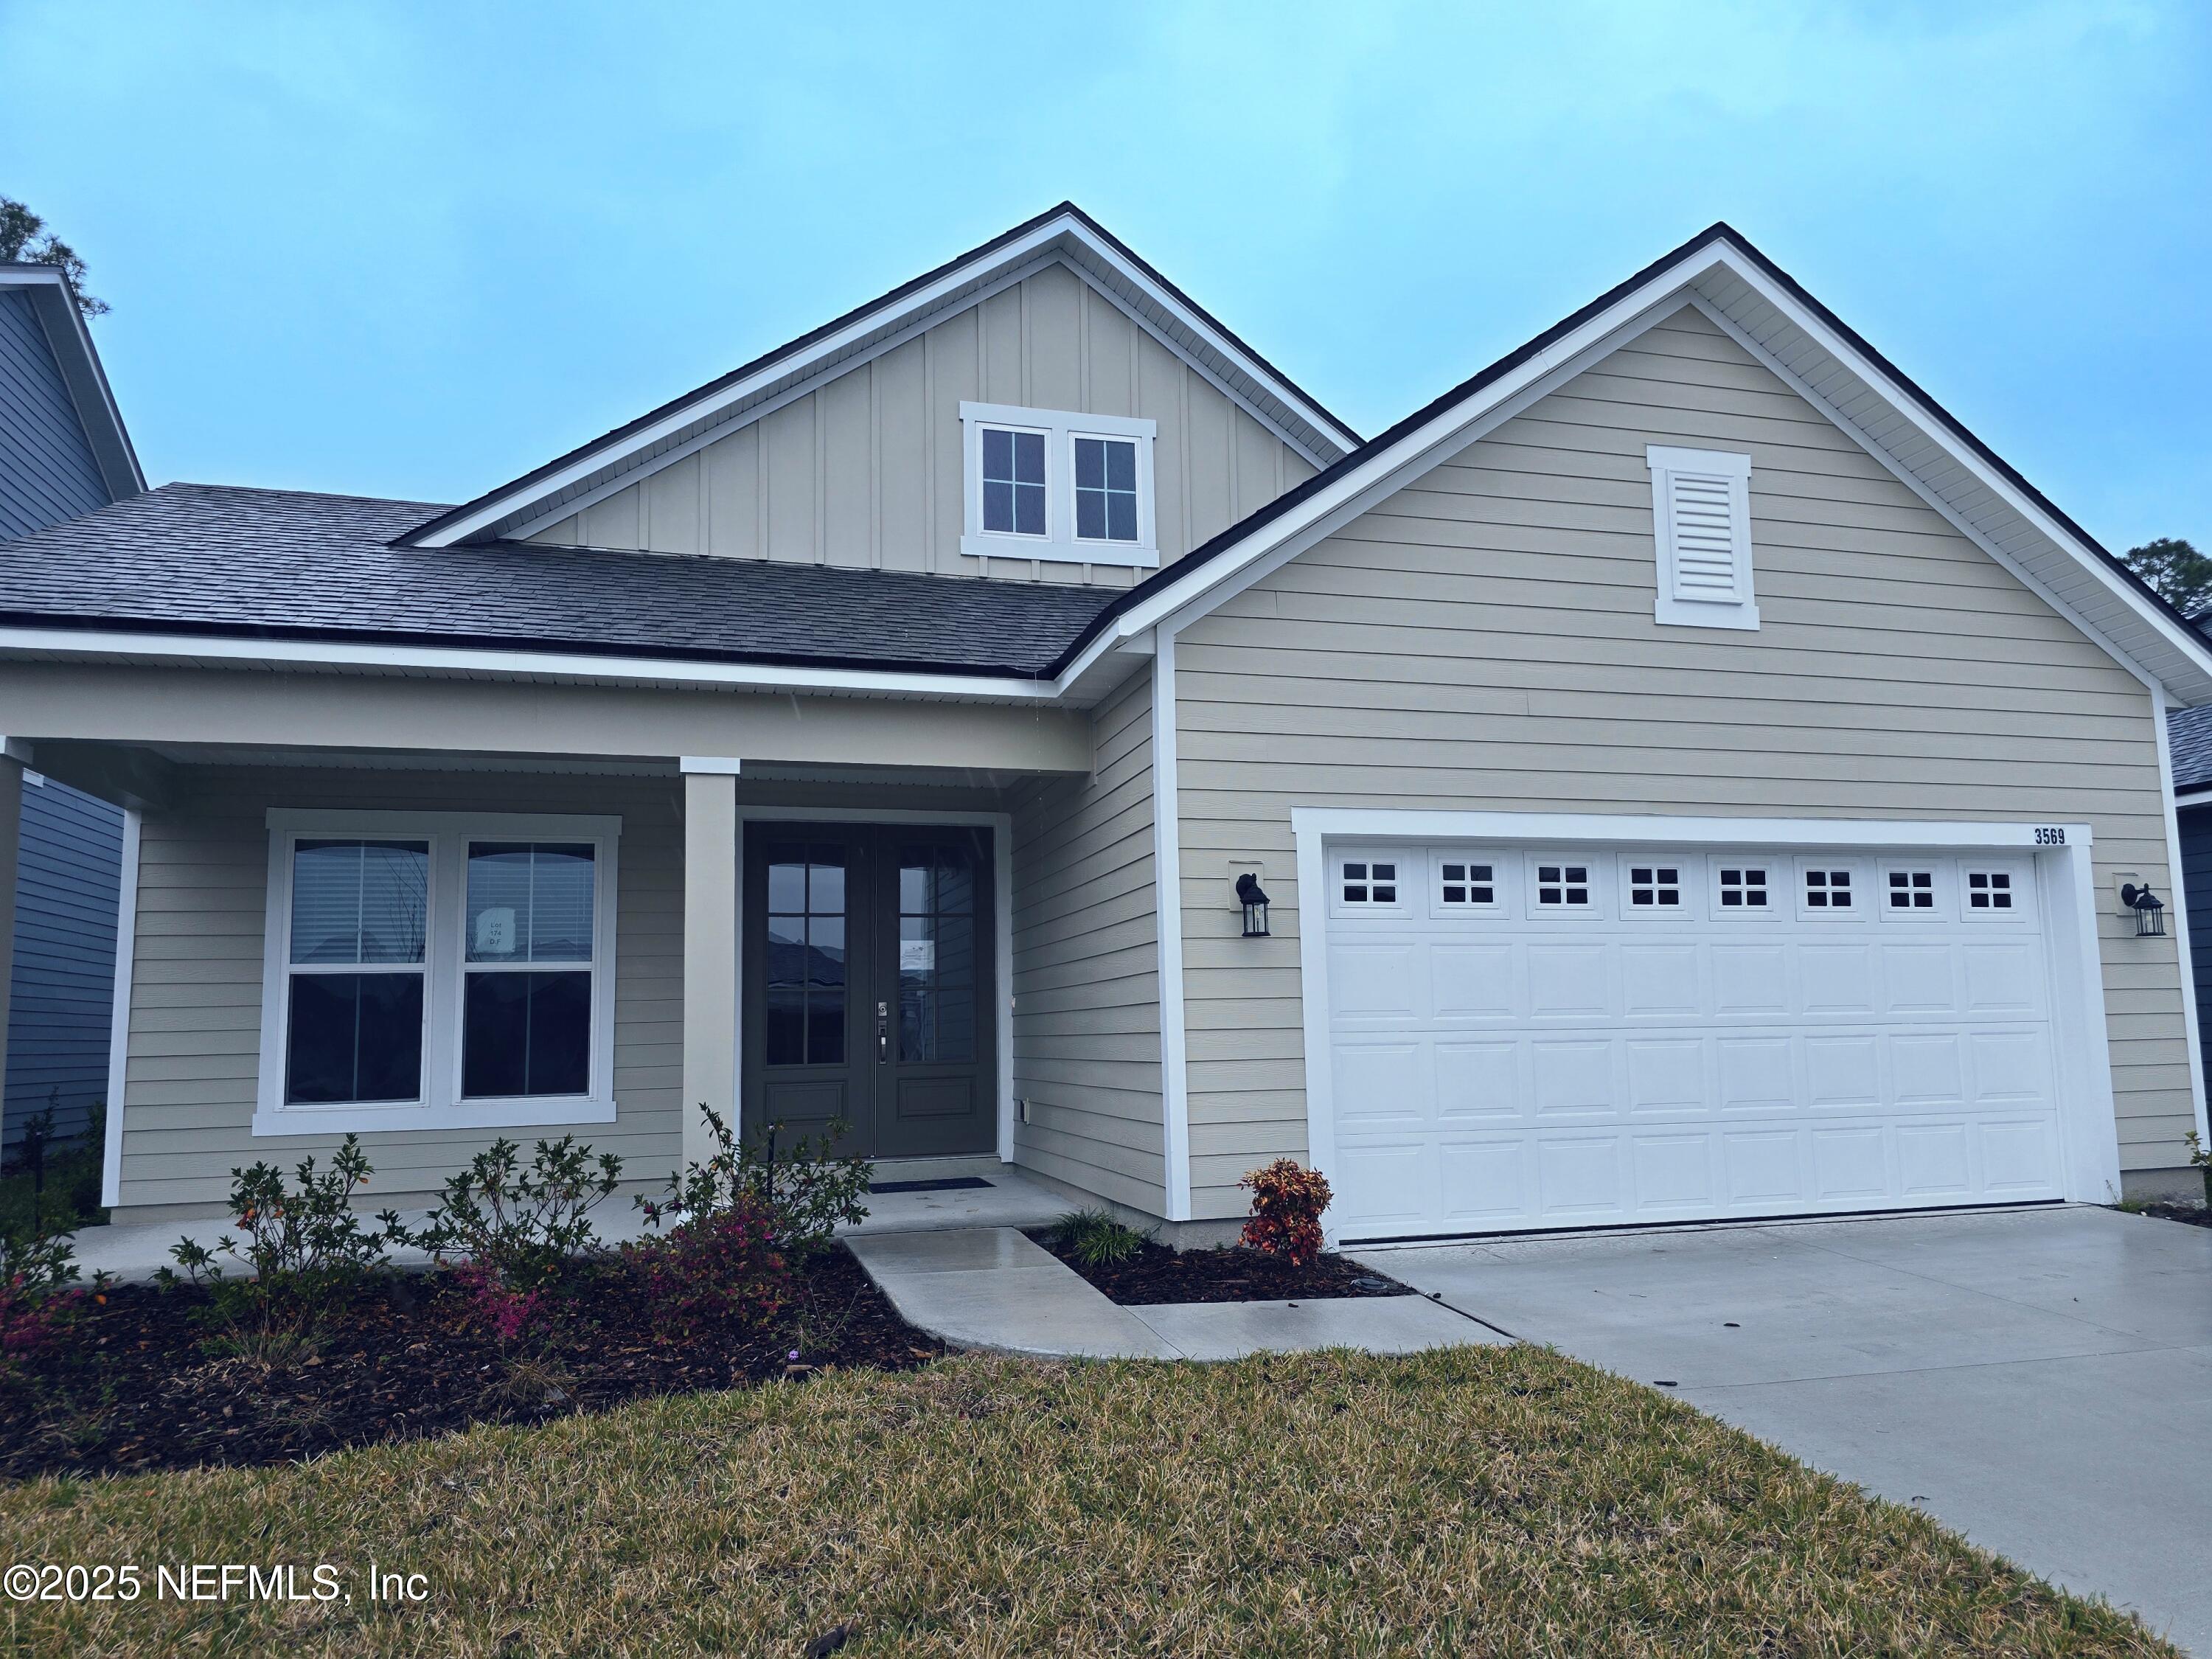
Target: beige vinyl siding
x: 866, y: 469
x: 1086, y: 968
x: 195, y: 1036
x: 1484, y: 639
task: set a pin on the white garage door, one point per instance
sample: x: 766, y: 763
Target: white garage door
x: 1529, y: 1037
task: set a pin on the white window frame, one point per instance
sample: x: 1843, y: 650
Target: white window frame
x: 440, y: 1105
x: 2021, y: 887
x: 1939, y: 906
x: 1777, y: 868
x: 1687, y: 871
x: 1670, y: 608
x: 1490, y: 858
x: 1060, y: 543
x: 1592, y: 866
x: 1859, y: 909
x: 1401, y: 860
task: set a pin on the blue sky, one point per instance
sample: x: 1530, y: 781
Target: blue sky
x: 413, y: 250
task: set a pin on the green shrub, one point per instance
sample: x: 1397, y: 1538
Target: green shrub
x: 1096, y: 1239
x: 38, y: 1295
x: 718, y: 1270
x: 304, y: 1245
x: 2199, y: 1158
x: 521, y: 1224
x: 803, y: 1189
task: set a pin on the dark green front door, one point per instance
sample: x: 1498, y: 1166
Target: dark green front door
x: 869, y: 989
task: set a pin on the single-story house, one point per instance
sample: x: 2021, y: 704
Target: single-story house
x: 64, y: 450
x: 1688, y: 774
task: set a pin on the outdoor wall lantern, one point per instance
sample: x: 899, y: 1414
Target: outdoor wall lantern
x: 1255, y: 905
x: 2150, y: 908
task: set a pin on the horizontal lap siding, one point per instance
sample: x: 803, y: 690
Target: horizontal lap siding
x: 195, y: 1038
x: 866, y: 470
x: 1086, y: 968
x: 47, y: 472
x: 63, y: 985
x: 1484, y: 640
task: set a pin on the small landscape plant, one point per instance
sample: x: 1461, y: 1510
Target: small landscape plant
x: 2200, y: 1159
x: 804, y: 1189
x: 521, y: 1226
x: 303, y: 1244
x: 38, y: 1296
x: 718, y: 1269
x: 1096, y: 1239
x: 1287, y: 1202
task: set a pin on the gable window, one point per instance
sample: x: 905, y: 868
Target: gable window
x: 1053, y: 484
x: 1701, y: 508
x: 1013, y: 482
x: 437, y: 970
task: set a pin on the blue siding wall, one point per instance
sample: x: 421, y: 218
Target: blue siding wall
x: 2196, y: 876
x: 47, y: 472
x: 67, y: 885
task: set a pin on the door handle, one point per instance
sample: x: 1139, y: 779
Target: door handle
x: 882, y: 1032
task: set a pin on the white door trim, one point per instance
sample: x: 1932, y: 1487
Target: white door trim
x: 120, y: 1010
x: 2087, y: 1125
x: 1001, y: 826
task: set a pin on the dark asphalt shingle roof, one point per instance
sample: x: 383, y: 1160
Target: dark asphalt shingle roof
x: 209, y: 559
x: 2189, y: 731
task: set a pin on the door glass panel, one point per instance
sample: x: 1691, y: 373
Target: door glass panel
x: 937, y: 954
x: 805, y: 965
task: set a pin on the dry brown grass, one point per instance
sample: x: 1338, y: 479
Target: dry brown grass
x: 1482, y: 1501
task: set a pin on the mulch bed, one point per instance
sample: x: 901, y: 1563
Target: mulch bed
x: 1234, y: 1272
x: 133, y: 1385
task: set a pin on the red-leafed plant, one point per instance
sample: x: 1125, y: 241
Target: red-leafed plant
x: 507, y: 1312
x: 720, y: 1270
x: 1287, y: 1201
x: 37, y: 1296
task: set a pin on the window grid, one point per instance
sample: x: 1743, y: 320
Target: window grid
x: 1743, y: 887
x: 1827, y: 890
x: 1105, y: 489
x: 1371, y: 883
x: 1989, y: 890
x: 1468, y: 884
x: 1655, y: 887
x: 1013, y: 482
x: 1912, y: 889
x: 1563, y: 886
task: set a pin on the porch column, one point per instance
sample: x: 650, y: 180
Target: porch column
x: 710, y: 948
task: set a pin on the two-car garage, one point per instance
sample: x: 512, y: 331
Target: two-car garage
x: 1573, y: 1034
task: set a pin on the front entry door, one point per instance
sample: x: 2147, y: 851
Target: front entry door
x: 869, y: 986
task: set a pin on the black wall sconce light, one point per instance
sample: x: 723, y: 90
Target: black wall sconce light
x: 1255, y: 902
x: 2150, y: 908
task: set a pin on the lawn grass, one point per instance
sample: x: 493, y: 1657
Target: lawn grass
x: 1482, y: 1500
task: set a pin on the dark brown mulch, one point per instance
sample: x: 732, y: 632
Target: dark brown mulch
x: 133, y: 1385
x: 1233, y: 1272
x: 2197, y: 1215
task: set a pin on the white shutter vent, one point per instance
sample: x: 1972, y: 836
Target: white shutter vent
x: 1701, y: 506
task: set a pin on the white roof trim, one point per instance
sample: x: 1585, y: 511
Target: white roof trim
x: 71, y: 341
x: 1720, y: 277
x: 1062, y: 237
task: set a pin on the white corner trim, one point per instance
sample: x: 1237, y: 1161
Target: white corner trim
x: 2177, y: 904
x: 1167, y: 887
x: 119, y: 1013
x: 1002, y: 891
x: 1313, y: 984
x: 720, y: 766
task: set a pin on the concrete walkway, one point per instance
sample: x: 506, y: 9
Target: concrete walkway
x: 991, y: 1288
x: 2041, y: 1381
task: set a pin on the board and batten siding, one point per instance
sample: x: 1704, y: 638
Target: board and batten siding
x: 1484, y: 638
x: 865, y: 470
x: 63, y: 979
x: 1086, y: 967
x: 195, y: 1038
x: 47, y: 472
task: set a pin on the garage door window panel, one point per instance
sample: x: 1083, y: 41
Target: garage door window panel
x: 1914, y: 890
x: 1466, y: 884
x: 1371, y: 883
x: 1832, y: 890
x: 1563, y: 884
x: 1655, y: 886
x: 1742, y: 889
x: 1992, y: 892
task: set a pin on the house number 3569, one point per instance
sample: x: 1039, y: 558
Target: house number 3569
x: 2050, y: 836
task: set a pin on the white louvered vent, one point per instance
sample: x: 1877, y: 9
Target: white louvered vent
x: 1701, y: 507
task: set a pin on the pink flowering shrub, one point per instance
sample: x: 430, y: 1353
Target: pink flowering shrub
x: 37, y: 1297
x: 720, y: 1269
x: 507, y: 1312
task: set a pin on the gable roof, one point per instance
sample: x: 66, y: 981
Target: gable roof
x: 47, y: 289
x: 1773, y: 316
x: 1065, y: 233
x: 2189, y: 733
x: 280, y: 565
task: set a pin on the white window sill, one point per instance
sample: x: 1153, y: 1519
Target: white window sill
x: 1127, y: 555
x: 1691, y: 613
x: 551, y: 1112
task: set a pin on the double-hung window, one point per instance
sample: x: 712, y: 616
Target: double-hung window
x: 1049, y: 484
x: 437, y: 970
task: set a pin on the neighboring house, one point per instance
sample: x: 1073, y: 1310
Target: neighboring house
x: 2190, y: 736
x: 1691, y: 777
x: 63, y: 451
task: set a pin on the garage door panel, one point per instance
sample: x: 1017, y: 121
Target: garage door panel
x: 1506, y: 1066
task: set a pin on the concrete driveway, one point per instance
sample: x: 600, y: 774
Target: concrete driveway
x: 2040, y: 1380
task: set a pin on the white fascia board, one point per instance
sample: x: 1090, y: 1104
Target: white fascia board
x: 1031, y: 250
x: 1962, y: 455
x: 503, y: 665
x: 1391, y: 824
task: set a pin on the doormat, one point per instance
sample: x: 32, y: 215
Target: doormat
x: 949, y: 1183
